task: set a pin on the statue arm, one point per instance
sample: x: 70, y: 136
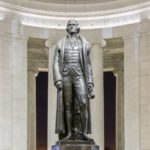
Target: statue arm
x: 90, y: 75
x: 57, y: 77
x: 89, y: 67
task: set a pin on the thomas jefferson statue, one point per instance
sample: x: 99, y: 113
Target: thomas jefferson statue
x: 73, y: 79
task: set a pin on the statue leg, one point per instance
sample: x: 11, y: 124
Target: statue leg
x: 80, y: 88
x: 67, y: 93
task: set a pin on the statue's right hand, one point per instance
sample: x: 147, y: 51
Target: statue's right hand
x: 59, y: 85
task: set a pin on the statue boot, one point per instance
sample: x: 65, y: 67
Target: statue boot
x: 84, y: 118
x: 68, y: 125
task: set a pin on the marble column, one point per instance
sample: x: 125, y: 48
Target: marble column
x: 6, y: 92
x: 131, y: 91
x: 145, y: 86
x: 19, y: 79
x: 13, y: 90
x: 118, y: 72
x: 32, y: 74
x: 52, y: 99
x: 97, y: 104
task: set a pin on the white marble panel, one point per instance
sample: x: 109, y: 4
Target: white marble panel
x: 145, y: 89
x: 20, y: 86
x: 5, y: 133
x: 19, y: 133
x: 145, y: 49
x: 31, y: 111
x: 19, y: 60
x: 20, y: 108
x: 5, y: 93
x: 52, y: 100
x: 97, y: 104
x: 145, y: 117
x: 6, y: 84
x: 5, y: 54
x: 131, y: 92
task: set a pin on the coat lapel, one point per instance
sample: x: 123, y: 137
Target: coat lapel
x: 80, y: 45
x: 83, y: 55
x: 62, y: 51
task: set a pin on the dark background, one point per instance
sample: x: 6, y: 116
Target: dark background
x: 42, y: 105
x: 41, y: 110
x: 109, y: 110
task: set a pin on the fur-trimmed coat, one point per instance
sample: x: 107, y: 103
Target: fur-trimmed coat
x: 58, y: 62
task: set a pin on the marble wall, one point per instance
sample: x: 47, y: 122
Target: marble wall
x: 13, y: 91
x: 6, y: 92
x: 144, y: 110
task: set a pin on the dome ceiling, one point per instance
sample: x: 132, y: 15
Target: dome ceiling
x: 108, y: 13
x: 74, y: 1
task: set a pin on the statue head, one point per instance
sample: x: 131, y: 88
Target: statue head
x: 72, y: 27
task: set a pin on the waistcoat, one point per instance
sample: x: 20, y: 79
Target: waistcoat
x: 72, y: 57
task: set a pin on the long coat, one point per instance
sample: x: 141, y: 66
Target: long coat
x: 58, y: 62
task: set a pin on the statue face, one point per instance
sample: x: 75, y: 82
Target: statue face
x: 72, y: 27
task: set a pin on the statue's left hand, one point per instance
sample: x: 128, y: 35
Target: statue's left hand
x: 90, y: 90
x: 90, y: 87
x: 59, y: 85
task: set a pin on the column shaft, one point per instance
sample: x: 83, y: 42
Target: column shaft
x: 6, y: 92
x: 131, y: 92
x: 119, y: 110
x: 31, y: 110
x: 97, y: 105
x: 52, y: 100
x: 13, y: 92
x: 145, y: 90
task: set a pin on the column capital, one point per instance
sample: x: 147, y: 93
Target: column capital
x: 102, y: 43
x: 118, y: 70
x: 34, y: 70
x: 49, y: 43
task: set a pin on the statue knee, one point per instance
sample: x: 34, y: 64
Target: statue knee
x: 84, y: 106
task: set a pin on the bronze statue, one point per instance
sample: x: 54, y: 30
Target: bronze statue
x: 73, y: 79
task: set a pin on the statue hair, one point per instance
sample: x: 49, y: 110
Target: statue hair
x: 78, y: 28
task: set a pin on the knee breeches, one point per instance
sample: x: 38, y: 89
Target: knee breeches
x: 74, y: 86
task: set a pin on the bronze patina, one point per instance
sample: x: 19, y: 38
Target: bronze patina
x: 73, y: 78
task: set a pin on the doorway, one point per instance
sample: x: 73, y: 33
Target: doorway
x: 109, y: 111
x: 41, y: 110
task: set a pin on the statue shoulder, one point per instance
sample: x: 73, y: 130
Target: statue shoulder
x: 59, y: 43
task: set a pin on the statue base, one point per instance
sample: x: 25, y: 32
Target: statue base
x: 75, y: 145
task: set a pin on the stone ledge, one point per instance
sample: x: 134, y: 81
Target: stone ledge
x: 75, y: 146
